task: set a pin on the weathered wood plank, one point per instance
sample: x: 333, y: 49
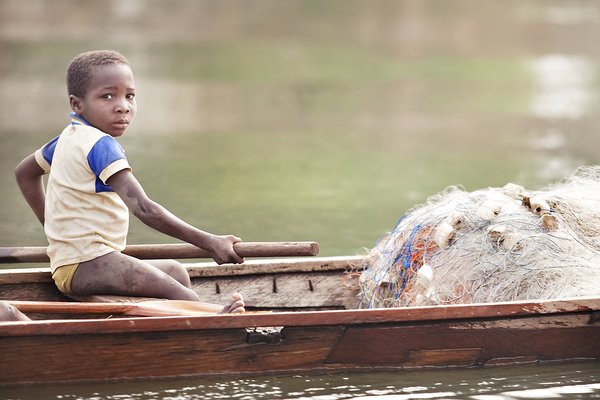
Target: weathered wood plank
x: 457, y: 357
x: 211, y: 269
x: 326, y: 290
x: 470, y: 343
x: 164, y: 354
x: 468, y: 313
x: 277, y: 266
x: 195, y: 351
x: 317, y: 290
x: 38, y: 291
x: 314, y: 283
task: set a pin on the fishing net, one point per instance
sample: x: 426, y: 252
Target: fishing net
x: 490, y: 245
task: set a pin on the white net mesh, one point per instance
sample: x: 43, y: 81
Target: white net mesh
x: 495, y: 244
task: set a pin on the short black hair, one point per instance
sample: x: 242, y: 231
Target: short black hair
x: 80, y: 68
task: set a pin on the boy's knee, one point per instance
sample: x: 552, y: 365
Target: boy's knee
x: 182, y: 274
x: 176, y: 270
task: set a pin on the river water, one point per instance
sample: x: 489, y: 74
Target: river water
x: 317, y: 120
x: 563, y: 381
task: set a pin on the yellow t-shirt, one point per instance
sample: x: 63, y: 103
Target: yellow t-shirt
x: 84, y: 217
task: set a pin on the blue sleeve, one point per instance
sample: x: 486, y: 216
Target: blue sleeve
x: 105, y: 152
x: 48, y: 150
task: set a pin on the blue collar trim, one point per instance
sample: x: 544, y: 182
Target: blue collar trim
x: 78, y: 120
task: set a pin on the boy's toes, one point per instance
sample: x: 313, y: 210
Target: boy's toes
x: 235, y: 305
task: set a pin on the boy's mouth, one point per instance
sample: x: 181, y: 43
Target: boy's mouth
x: 122, y: 123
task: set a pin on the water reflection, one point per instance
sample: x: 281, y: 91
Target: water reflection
x: 562, y: 93
x: 571, y: 380
x: 563, y: 86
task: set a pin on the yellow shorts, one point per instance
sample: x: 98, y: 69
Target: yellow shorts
x: 63, y: 276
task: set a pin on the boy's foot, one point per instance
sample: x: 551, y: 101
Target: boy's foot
x: 10, y: 313
x: 235, y: 305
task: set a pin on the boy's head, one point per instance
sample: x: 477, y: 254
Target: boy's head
x: 102, y: 90
x: 80, y: 69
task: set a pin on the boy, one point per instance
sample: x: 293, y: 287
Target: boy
x: 91, y: 189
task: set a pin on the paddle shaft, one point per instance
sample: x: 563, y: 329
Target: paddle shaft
x: 175, y: 251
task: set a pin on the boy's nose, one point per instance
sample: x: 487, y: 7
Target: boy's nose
x: 122, y: 107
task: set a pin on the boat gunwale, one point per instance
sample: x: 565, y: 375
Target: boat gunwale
x: 410, y: 315
x: 9, y: 276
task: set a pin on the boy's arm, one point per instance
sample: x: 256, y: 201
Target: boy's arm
x: 29, y: 178
x: 156, y: 216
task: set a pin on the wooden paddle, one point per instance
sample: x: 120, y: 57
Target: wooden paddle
x: 152, y: 308
x: 175, y: 251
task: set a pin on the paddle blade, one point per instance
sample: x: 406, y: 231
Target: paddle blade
x: 163, y: 308
x: 152, y: 308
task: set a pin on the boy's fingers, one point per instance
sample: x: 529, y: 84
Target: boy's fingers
x: 236, y: 258
x: 233, y: 258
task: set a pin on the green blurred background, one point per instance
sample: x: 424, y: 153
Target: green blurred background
x: 316, y: 120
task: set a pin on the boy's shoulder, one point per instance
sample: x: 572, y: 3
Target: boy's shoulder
x: 85, y: 135
x: 80, y: 128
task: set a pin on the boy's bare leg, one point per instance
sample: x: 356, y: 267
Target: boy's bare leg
x: 173, y: 268
x: 120, y: 274
x: 176, y: 270
x: 10, y: 313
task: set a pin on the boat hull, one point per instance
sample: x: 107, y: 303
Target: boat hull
x: 316, y: 338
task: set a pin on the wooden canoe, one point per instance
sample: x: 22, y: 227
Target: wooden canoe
x: 313, y: 325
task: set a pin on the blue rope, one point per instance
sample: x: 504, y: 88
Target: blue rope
x: 405, y: 256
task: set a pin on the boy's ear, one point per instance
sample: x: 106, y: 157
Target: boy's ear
x: 76, y: 103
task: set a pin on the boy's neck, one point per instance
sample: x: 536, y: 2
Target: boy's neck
x: 77, y: 119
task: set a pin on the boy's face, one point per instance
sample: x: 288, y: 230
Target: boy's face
x: 109, y: 103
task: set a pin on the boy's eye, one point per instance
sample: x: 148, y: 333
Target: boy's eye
x: 108, y: 96
x: 131, y: 96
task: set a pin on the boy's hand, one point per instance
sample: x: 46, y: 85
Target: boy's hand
x: 222, y: 250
